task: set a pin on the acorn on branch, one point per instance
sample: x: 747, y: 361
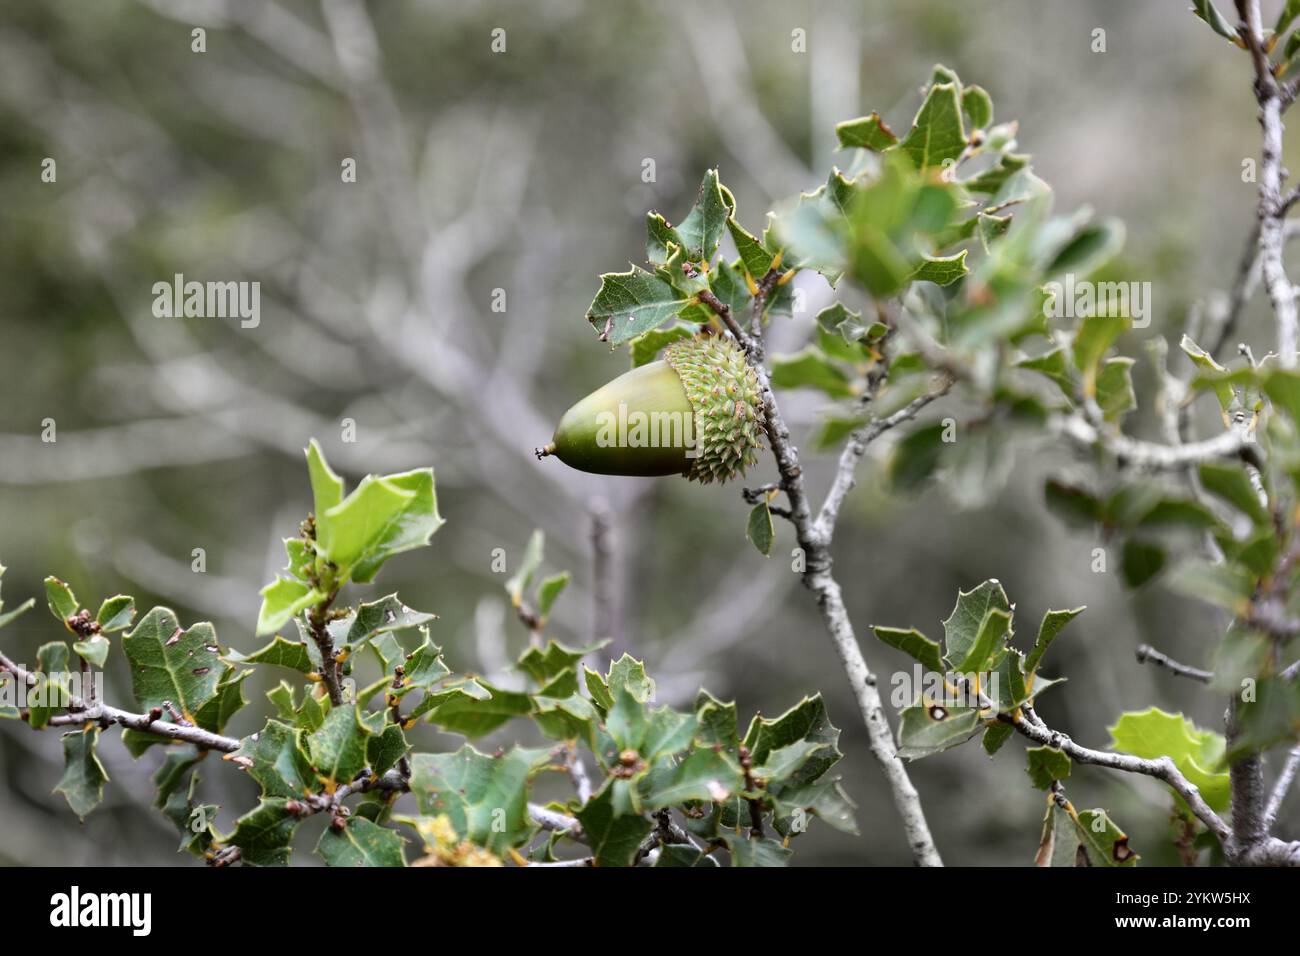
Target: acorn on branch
x: 697, y: 412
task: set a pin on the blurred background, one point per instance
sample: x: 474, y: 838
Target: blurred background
x: 522, y: 171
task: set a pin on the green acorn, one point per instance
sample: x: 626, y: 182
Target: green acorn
x: 698, y: 412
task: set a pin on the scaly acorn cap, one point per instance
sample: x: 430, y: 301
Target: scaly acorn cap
x: 697, y: 412
x: 728, y: 404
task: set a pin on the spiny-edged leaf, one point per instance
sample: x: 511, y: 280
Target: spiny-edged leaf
x: 937, y: 133
x: 866, y: 132
x: 282, y: 600
x: 632, y: 303
x: 661, y: 239
x: 281, y: 653
x: 962, y: 627
x: 646, y: 348
x: 380, y: 518
x: 651, y: 733
x: 264, y: 835
x: 550, y: 589
x: 1231, y: 483
x: 824, y: 799
x: 755, y: 259
x: 1047, y: 764
x: 805, y: 721
x: 977, y: 105
x: 1205, y: 10
x: 82, y: 783
x: 915, y: 643
x: 169, y: 663
x: 1095, y: 334
x: 1105, y: 843
x: 716, y: 722
x: 702, y: 775
x: 758, y: 851
x: 545, y: 664
x: 811, y: 368
x: 338, y: 749
x: 926, y: 729
x: 941, y: 270
x: 1222, y: 585
x: 993, y: 633
x: 373, y: 618
x: 361, y: 843
x: 485, y: 797
x: 522, y: 579
x: 275, y: 758
x: 1198, y: 754
x: 116, y: 613
x: 1115, y: 395
x: 629, y: 673
x: 759, y: 528
x: 473, y: 715
x: 225, y: 702
x: 613, y: 837
x: 326, y: 486
x: 703, y: 225
x: 1052, y: 625
x: 62, y: 602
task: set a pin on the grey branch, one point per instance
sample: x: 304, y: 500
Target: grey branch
x: 1282, y: 787
x: 1161, y: 768
x: 1146, y: 654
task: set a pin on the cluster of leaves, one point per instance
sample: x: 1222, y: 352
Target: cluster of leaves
x: 986, y: 684
x: 735, y: 796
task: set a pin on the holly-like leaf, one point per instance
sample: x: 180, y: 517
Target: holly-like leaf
x: 361, y: 843
x: 173, y: 665
x: 1206, y: 10
x: 613, y: 837
x: 280, y: 653
x: 977, y: 106
x: 326, y: 486
x: 1115, y: 395
x: 51, y: 689
x: 338, y: 749
x: 937, y: 134
x: 82, y: 783
x: 632, y: 303
x: 1053, y: 623
x: 550, y: 589
x: 264, y: 835
x: 275, y: 758
x: 926, y: 729
x: 373, y: 618
x: 473, y: 715
x: 762, y: 851
x: 282, y: 600
x: 755, y: 259
x: 866, y: 132
x: 992, y: 636
x: 941, y: 270
x: 485, y: 797
x: 704, y: 224
x: 962, y: 628
x: 1198, y: 754
x: 382, y: 517
x: 93, y: 650
x: 1059, y: 844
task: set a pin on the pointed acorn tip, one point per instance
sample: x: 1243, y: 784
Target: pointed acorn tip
x: 545, y: 451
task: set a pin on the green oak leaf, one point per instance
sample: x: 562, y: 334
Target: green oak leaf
x: 632, y: 303
x: 866, y: 132
x: 614, y: 838
x: 361, y: 843
x: 915, y: 644
x: 82, y: 783
x: 759, y: 528
x: 274, y: 757
x: 962, y: 627
x: 116, y: 614
x: 937, y: 134
x: 485, y: 797
x: 338, y: 748
x: 1046, y: 765
x: 382, y: 517
x: 172, y: 664
x: 1198, y: 754
x: 264, y: 835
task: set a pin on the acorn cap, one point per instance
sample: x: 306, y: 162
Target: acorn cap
x: 697, y: 412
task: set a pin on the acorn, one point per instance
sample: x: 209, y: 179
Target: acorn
x: 697, y: 412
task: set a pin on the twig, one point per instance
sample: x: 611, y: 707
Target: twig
x: 1161, y: 768
x: 1148, y: 654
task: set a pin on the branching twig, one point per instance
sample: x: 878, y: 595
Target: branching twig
x: 1148, y: 654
